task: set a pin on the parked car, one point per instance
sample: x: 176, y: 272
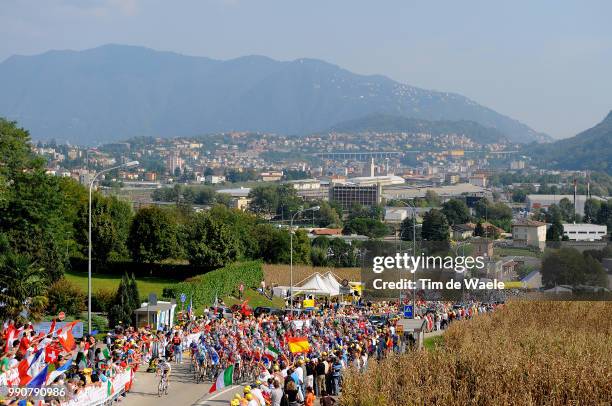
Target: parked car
x: 268, y: 310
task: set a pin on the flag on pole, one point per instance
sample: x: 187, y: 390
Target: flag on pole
x: 66, y: 338
x: 225, y: 378
x: 190, y: 307
x: 271, y: 353
x: 52, y: 327
x: 298, y: 344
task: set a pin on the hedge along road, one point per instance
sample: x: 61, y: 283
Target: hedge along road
x: 182, y: 390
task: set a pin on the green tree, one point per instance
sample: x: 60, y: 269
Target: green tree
x: 432, y: 198
x: 273, y: 243
x: 133, y: 292
x: 456, y: 211
x: 328, y: 216
x: 241, y: 225
x: 342, y: 254
x: 37, y: 211
x: 554, y: 217
x: 211, y: 242
x: 206, y: 195
x: 110, y: 219
x: 406, y: 230
x: 288, y: 200
x: 366, y: 226
x: 65, y: 296
x: 519, y: 195
x: 567, y: 209
x: 122, y: 308
x: 591, y: 208
x: 555, y: 231
x: 23, y: 287
x: 435, y: 226
x: 568, y: 266
x: 301, y: 247
x: 264, y: 200
x: 604, y: 215
x: 153, y: 235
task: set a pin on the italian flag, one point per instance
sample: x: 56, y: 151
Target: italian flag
x: 225, y: 378
x: 271, y: 353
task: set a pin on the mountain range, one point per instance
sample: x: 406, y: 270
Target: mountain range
x: 115, y: 92
x: 591, y: 149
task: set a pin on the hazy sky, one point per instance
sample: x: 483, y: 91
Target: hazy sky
x: 547, y: 63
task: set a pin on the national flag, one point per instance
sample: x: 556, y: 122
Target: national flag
x: 106, y: 353
x: 190, y: 307
x: 22, y: 368
x: 271, y: 353
x: 39, y: 380
x: 225, y: 378
x: 59, y: 371
x: 109, y: 388
x: 66, y: 338
x: 51, y: 353
x: 52, y: 327
x: 298, y: 344
x: 38, y: 363
x: 11, y: 335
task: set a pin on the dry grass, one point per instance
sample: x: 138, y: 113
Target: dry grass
x: 279, y: 274
x: 529, y: 353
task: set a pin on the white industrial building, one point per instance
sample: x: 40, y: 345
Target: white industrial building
x: 545, y: 201
x: 584, y: 232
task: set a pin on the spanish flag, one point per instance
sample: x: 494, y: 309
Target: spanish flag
x: 298, y: 344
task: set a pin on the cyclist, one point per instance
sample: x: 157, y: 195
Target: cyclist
x: 163, y: 369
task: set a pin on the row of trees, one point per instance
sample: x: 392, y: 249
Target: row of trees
x: 567, y: 266
x: 437, y: 222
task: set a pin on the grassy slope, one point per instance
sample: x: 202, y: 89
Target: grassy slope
x: 146, y: 285
x: 255, y: 299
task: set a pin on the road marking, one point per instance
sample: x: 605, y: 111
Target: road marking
x: 200, y: 402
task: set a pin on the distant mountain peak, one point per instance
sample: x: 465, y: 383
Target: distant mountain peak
x: 115, y: 91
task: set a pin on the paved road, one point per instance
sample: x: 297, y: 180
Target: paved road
x: 183, y: 391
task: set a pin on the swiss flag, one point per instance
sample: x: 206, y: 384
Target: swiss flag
x: 66, y: 338
x: 51, y: 354
x: 22, y: 368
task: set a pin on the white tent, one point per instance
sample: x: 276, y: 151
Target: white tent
x: 333, y: 283
x: 317, y: 284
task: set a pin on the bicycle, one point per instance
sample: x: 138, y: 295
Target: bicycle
x: 162, y: 388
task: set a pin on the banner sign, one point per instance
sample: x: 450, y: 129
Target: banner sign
x: 43, y: 327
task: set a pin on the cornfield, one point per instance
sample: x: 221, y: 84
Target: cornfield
x: 280, y: 275
x: 528, y: 353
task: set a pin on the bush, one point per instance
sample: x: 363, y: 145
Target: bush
x: 220, y: 282
x: 102, y: 300
x: 65, y: 296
